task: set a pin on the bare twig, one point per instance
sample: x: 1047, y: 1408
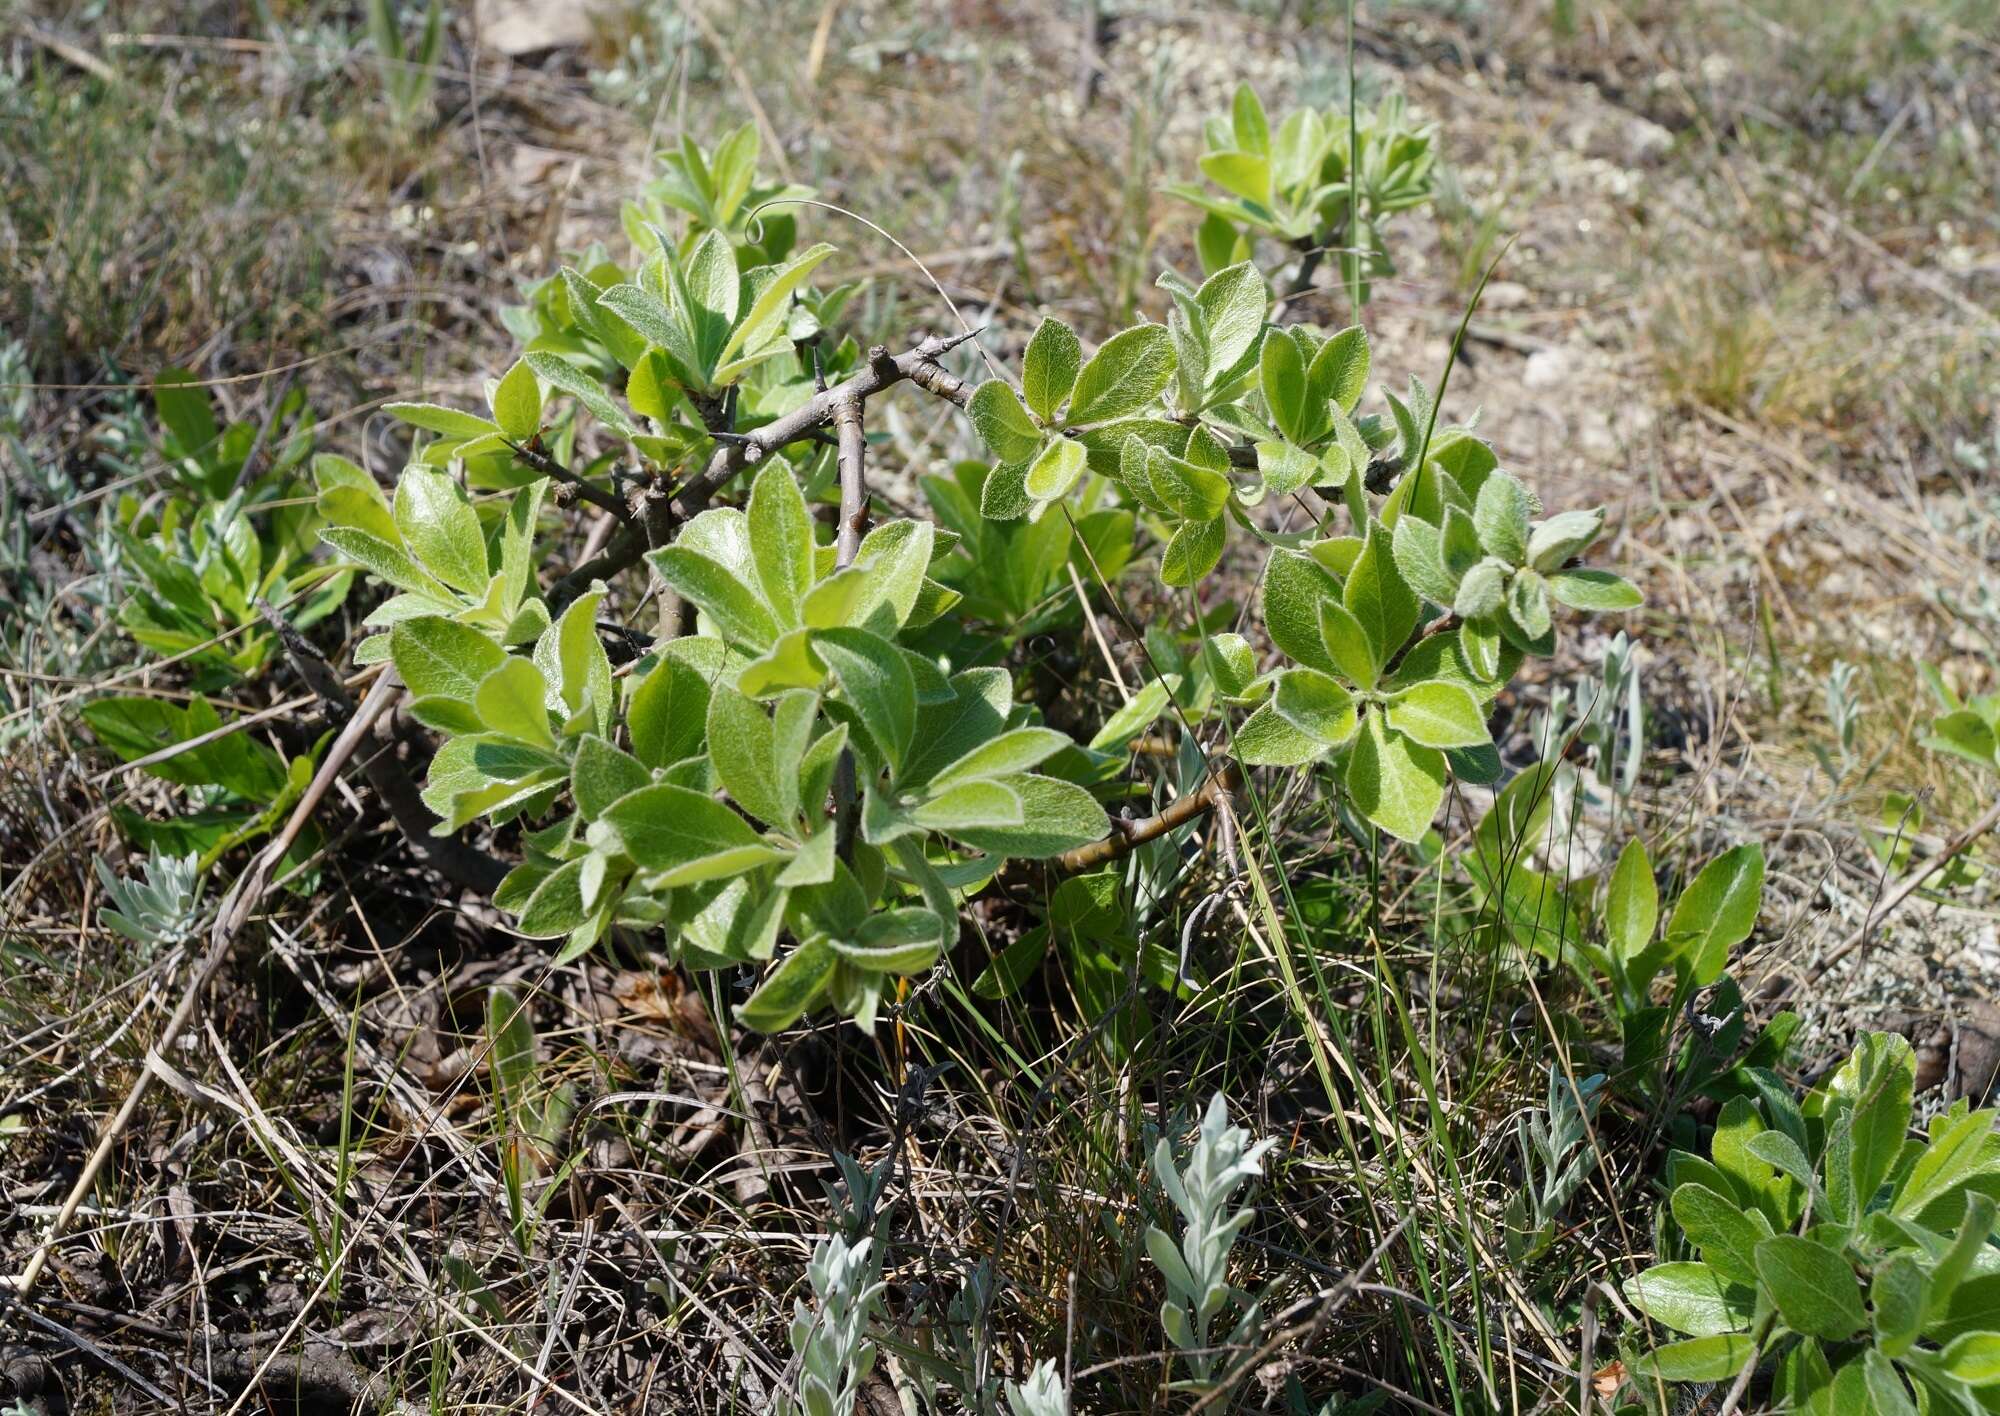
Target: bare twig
x: 1224, y: 780
x: 735, y: 452
x: 588, y: 490
x: 919, y: 366
x: 853, y: 482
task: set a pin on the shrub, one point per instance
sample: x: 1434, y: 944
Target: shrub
x: 874, y: 767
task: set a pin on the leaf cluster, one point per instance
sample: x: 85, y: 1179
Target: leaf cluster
x: 1848, y: 1259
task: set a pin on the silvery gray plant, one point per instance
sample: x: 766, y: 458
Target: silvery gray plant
x: 1042, y: 1394
x: 1555, y: 1160
x: 159, y: 911
x: 1221, y: 1161
x: 830, y: 1340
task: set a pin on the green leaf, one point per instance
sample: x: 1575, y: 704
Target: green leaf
x: 1247, y: 123
x: 387, y: 560
x: 1898, y: 1298
x: 1439, y: 714
x: 1886, y: 1392
x: 1185, y: 488
x: 1316, y: 705
x: 789, y: 990
x: 1056, y: 816
x: 1269, y: 740
x: 601, y: 774
x: 1958, y: 1150
x: 1013, y: 966
x: 1351, y: 647
x: 556, y: 907
x: 877, y: 684
x: 1285, y: 468
x: 441, y: 658
x: 1500, y: 514
x: 1245, y: 174
x: 737, y: 610
x: 716, y: 287
x: 974, y: 804
x: 1049, y: 368
x: 184, y: 406
x: 1528, y: 604
x: 902, y: 941
x: 1419, y: 552
x: 1232, y: 303
x: 512, y: 700
x: 1813, y: 1286
x: 1884, y: 1071
x: 560, y: 373
x: 781, y: 541
x: 1556, y: 540
x: 517, y: 403
x: 1125, y: 375
x: 1597, y: 590
x: 1973, y: 1359
x: 1482, y: 591
x: 1055, y: 470
x: 1700, y: 1359
x: 441, y: 529
x: 436, y: 418
x: 1010, y: 752
x: 1726, y: 1236
x: 1378, y: 598
x: 572, y: 659
x: 1717, y: 911
x: 1631, y: 905
x: 1975, y: 1226
x: 1339, y: 370
x: 1691, y: 1298
x: 1193, y: 552
x: 684, y: 836
x: 667, y: 713
x: 1135, y: 715
x: 766, y: 316
x: 1282, y: 376
x: 1294, y: 586
x: 759, y: 773
x: 1396, y: 783
x: 1003, y: 425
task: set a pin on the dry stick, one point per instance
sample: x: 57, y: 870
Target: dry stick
x: 853, y: 456
x: 588, y: 490
x: 243, y: 897
x: 1224, y: 780
x: 1909, y: 884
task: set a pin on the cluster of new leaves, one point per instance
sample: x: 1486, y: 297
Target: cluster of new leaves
x: 1852, y: 1259
x: 1314, y: 183
x: 796, y: 666
x: 1401, y: 630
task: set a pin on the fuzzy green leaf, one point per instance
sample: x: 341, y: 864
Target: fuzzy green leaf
x: 1396, y: 783
x: 1125, y: 375
x: 1049, y: 368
